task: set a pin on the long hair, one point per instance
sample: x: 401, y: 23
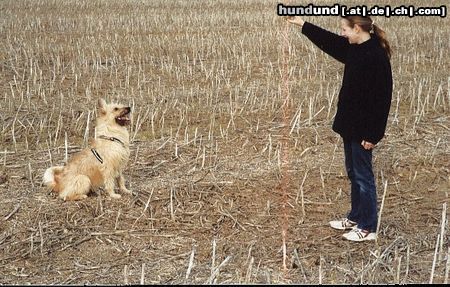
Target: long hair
x: 368, y: 25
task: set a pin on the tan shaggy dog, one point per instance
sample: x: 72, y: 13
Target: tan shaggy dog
x: 99, y: 165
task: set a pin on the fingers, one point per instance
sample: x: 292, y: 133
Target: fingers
x: 367, y: 145
x: 297, y: 20
x: 290, y: 19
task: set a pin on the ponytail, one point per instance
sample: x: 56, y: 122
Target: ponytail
x: 382, y: 36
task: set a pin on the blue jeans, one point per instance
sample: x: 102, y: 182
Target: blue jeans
x: 358, y: 162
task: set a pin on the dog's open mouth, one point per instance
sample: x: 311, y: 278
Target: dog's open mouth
x: 124, y: 118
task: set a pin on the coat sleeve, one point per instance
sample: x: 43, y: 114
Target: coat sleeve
x: 378, y: 93
x: 334, y: 45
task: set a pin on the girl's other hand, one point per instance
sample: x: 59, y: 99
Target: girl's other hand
x: 367, y: 145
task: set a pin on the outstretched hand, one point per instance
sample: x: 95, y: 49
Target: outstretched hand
x: 297, y: 20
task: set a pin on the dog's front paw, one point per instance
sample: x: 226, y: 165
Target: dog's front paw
x: 115, y: 195
x: 125, y: 190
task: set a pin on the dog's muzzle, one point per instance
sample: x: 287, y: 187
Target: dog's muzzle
x: 124, y: 118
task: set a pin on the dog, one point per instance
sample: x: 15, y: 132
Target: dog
x: 99, y: 165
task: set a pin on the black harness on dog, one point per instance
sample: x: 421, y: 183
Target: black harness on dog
x: 112, y: 139
x: 97, y: 155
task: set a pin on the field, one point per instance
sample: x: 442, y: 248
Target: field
x: 234, y: 168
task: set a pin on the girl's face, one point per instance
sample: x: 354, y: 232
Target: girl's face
x: 350, y: 33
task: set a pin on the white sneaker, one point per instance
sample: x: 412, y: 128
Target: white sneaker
x: 343, y: 224
x: 358, y: 235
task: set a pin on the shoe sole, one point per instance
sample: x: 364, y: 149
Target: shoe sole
x: 342, y: 228
x: 367, y: 238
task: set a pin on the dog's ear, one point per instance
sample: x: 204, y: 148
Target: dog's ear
x: 101, y: 106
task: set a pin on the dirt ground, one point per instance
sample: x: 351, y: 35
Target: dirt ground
x: 211, y: 193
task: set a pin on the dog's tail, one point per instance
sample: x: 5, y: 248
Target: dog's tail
x: 50, y: 178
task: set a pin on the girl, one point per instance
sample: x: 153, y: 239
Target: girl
x: 362, y: 110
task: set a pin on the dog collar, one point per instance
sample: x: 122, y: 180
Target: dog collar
x: 94, y: 151
x: 112, y: 139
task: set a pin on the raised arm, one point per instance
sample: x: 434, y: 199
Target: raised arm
x: 334, y: 45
